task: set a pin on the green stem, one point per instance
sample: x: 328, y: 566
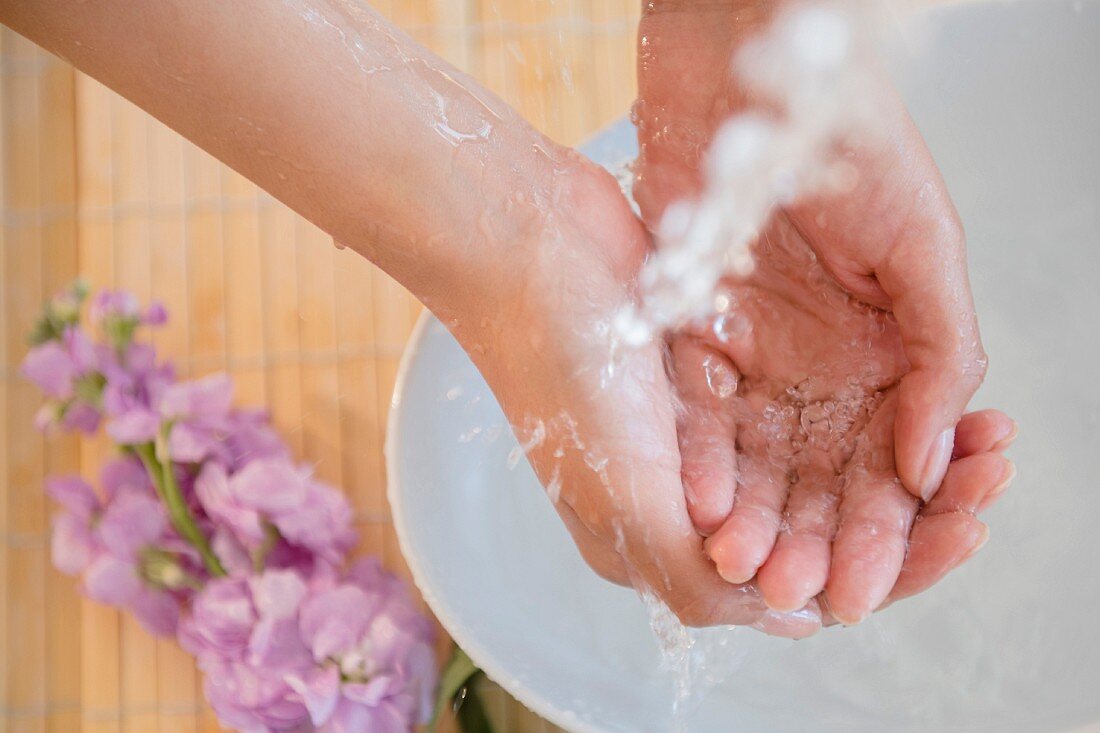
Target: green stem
x: 456, y: 693
x: 164, y: 481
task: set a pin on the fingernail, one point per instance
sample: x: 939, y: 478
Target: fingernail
x: 859, y: 617
x: 1010, y: 474
x: 996, y: 491
x: 978, y: 545
x: 1009, y: 439
x: 935, y: 466
x: 845, y: 620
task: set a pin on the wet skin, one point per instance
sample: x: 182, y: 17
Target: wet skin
x: 860, y: 301
x: 526, y: 251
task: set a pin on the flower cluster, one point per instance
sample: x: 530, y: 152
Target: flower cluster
x: 204, y: 528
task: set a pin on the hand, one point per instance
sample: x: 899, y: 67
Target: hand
x: 804, y: 383
x: 598, y: 423
x: 894, y: 244
x: 521, y: 248
x: 605, y: 443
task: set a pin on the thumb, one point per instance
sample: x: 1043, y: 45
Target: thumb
x: 924, y: 275
x: 896, y: 242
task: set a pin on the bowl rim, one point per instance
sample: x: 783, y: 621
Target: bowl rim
x: 482, y: 656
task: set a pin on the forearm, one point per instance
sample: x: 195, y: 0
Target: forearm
x: 327, y: 107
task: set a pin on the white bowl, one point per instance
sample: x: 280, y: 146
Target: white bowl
x: 1008, y: 95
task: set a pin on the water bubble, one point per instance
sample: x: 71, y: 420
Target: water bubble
x: 730, y: 326
x: 721, y: 378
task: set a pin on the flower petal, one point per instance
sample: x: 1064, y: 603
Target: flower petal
x: 206, y: 397
x: 50, y: 367
x: 134, y: 427
x: 320, y: 692
x: 111, y: 581
x: 75, y: 494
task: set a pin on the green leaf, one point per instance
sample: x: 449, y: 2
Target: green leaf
x: 453, y: 683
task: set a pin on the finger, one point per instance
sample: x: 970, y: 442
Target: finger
x: 938, y: 545
x: 946, y: 532
x: 798, y: 567
x: 669, y: 562
x: 924, y: 275
x: 706, y: 382
x: 746, y: 538
x: 969, y: 482
x: 983, y: 431
x: 927, y: 283
x: 689, y: 586
x: 896, y: 242
x: 791, y: 625
x: 876, y: 514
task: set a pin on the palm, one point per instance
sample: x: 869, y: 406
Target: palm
x: 812, y: 420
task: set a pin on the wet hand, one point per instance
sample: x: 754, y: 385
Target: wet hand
x: 787, y: 438
x: 596, y: 419
x: 889, y: 261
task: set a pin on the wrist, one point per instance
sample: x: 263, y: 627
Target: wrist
x: 546, y: 218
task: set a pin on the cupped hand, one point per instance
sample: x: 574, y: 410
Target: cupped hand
x: 599, y: 421
x: 596, y: 418
x: 787, y: 435
x: 834, y: 388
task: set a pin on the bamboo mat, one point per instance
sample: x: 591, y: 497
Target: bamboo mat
x: 95, y: 187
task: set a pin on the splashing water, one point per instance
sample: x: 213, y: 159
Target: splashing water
x: 696, y: 659
x: 813, y: 63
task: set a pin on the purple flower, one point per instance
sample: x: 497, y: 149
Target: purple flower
x: 73, y: 544
x: 129, y: 526
x: 272, y: 491
x: 286, y: 640
x: 64, y: 369
x: 199, y: 412
x: 250, y: 437
x: 134, y: 427
x: 113, y: 304
x: 244, y: 633
x: 56, y: 365
x: 123, y: 475
x: 116, y: 582
x: 120, y: 306
x: 81, y: 417
x: 109, y: 540
x: 51, y: 367
x: 155, y: 315
x: 75, y: 495
x: 134, y: 385
x: 344, y: 654
x: 221, y: 620
x: 383, y: 646
x: 251, y: 699
x: 251, y: 620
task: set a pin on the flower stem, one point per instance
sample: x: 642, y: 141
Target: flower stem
x: 271, y: 539
x: 164, y: 480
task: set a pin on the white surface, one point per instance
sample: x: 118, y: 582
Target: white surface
x: 1008, y: 95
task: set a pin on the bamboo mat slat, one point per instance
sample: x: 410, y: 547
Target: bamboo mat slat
x: 93, y: 186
